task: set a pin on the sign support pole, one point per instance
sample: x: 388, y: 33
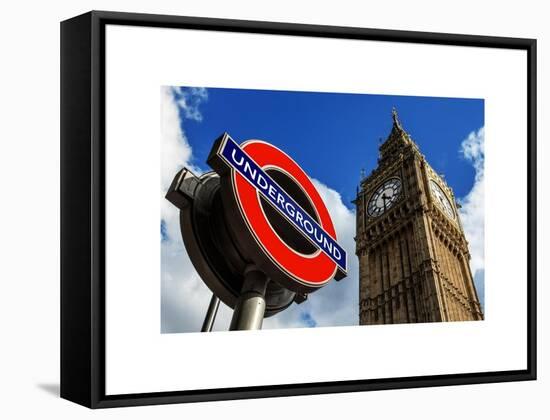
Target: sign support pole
x: 211, y: 313
x: 250, y: 308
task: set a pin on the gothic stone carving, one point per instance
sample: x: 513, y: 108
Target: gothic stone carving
x: 413, y: 258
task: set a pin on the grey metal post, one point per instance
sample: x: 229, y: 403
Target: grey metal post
x: 211, y: 314
x: 250, y: 308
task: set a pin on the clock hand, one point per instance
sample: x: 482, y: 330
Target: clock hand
x: 384, y: 198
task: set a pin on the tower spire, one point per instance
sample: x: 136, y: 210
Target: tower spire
x: 395, y: 118
x: 383, y: 208
x: 397, y: 139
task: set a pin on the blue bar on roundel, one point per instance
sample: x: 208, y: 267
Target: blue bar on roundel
x: 278, y: 198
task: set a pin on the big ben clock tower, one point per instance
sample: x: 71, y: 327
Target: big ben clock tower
x: 413, y: 255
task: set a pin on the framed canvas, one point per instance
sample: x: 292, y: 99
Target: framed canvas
x: 258, y: 209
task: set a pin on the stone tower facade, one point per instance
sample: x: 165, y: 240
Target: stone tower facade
x: 413, y: 255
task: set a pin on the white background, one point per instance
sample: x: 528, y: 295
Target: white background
x: 30, y: 227
x: 146, y: 58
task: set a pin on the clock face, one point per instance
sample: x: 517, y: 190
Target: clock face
x: 441, y: 199
x: 384, y: 197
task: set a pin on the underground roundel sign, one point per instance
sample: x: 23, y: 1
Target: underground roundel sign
x: 276, y: 215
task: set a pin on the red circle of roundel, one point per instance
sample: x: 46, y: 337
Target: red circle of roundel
x: 314, y: 269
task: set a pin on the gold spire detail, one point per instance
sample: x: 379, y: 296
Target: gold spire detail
x: 395, y: 118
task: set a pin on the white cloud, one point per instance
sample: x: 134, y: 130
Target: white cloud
x: 472, y: 213
x: 175, y: 154
x: 337, y: 303
x: 189, y: 101
x: 479, y: 281
x: 184, y: 297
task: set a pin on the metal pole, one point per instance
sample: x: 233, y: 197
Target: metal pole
x: 250, y: 308
x: 211, y: 314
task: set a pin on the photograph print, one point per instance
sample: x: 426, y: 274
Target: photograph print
x: 287, y: 209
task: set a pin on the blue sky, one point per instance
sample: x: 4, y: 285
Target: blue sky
x: 333, y: 136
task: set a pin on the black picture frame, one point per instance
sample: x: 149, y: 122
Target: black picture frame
x: 83, y: 208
